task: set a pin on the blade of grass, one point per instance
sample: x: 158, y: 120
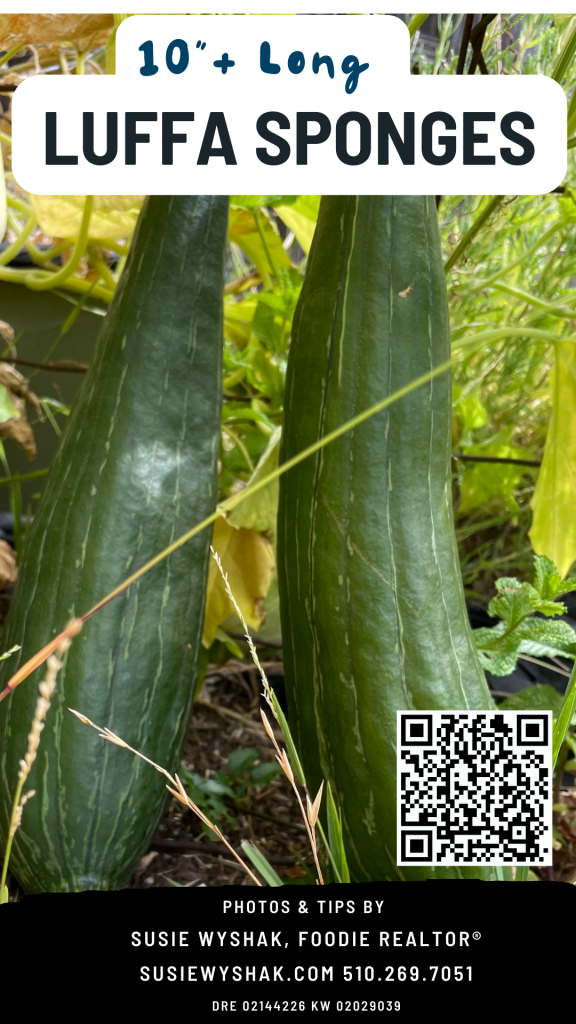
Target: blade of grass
x: 262, y: 865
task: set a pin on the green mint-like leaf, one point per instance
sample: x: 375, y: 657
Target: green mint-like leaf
x: 534, y: 698
x: 547, y: 580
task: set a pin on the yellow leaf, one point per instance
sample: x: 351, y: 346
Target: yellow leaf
x: 301, y: 225
x: 86, y: 30
x: 259, y: 512
x: 113, y: 216
x: 248, y: 559
x: 553, y: 530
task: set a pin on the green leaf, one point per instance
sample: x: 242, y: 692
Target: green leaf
x: 8, y: 408
x: 287, y: 735
x: 4, y: 895
x: 268, y: 255
x: 261, y: 864
x: 547, y: 580
x: 302, y: 226
x: 254, y: 202
x: 566, y: 715
x: 540, y: 638
x: 241, y: 760
x: 470, y: 409
x: 265, y: 773
x: 534, y: 698
x: 514, y: 601
x: 483, y: 481
x: 335, y: 844
x: 553, y: 530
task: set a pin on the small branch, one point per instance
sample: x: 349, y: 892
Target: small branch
x: 64, y: 365
x: 495, y: 458
x: 213, y: 849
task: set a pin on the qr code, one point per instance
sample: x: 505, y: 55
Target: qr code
x: 474, y: 787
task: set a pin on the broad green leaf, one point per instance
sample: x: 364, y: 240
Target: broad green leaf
x: 262, y: 865
x: 240, y: 761
x: 113, y: 216
x: 534, y: 698
x: 264, y: 773
x: 309, y: 206
x: 268, y: 255
x: 259, y: 511
x: 483, y: 481
x: 553, y: 530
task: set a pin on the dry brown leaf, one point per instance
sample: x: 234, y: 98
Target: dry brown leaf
x: 6, y: 332
x: 18, y: 385
x: 8, y: 570
x: 20, y: 431
x: 84, y: 30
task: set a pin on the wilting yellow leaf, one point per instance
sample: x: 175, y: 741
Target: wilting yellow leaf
x: 301, y: 225
x: 113, y: 216
x: 86, y: 30
x: 553, y: 530
x: 248, y: 558
x: 259, y: 512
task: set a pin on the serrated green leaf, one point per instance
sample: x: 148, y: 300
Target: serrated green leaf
x: 513, y: 602
x: 541, y: 638
x: 534, y: 698
x: 499, y: 663
x: 547, y: 580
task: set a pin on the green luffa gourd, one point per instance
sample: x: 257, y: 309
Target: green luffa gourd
x: 372, y: 605
x: 137, y: 466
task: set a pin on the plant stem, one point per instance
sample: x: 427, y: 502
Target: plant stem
x: 464, y: 242
x: 416, y: 22
x: 11, y: 832
x: 565, y: 717
x: 20, y: 477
